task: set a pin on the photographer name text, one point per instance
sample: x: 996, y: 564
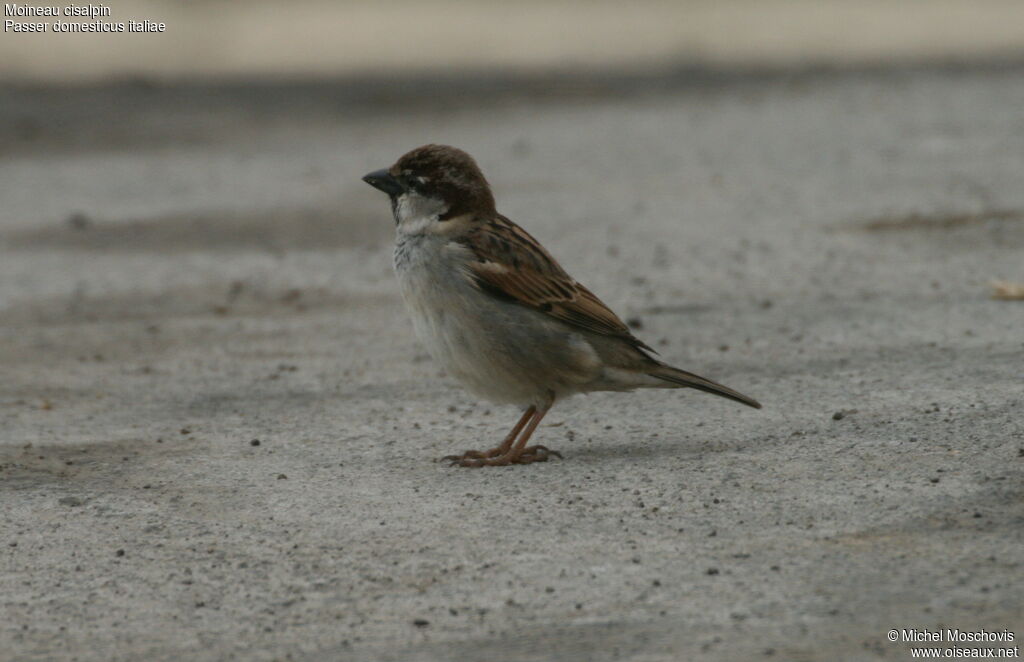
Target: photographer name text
x: 951, y: 635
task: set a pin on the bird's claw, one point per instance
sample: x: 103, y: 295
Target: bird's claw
x: 494, y: 458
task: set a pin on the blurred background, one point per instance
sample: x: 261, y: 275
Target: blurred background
x: 212, y: 401
x: 209, y: 39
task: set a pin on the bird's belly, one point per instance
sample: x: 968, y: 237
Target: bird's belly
x: 500, y: 351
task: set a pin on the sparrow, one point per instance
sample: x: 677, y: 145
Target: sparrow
x: 498, y: 312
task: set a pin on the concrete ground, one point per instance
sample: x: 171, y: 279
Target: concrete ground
x: 218, y: 436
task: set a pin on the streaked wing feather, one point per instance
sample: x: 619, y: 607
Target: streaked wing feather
x: 512, y: 265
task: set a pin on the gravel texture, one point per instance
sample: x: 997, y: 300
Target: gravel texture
x: 218, y: 436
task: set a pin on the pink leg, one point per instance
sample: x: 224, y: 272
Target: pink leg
x: 518, y: 453
x: 505, y: 445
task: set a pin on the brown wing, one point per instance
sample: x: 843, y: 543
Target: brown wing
x: 512, y: 265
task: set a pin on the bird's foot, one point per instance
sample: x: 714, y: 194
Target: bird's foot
x: 473, y: 455
x: 495, y: 458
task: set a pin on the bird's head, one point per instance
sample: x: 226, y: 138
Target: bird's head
x: 433, y: 185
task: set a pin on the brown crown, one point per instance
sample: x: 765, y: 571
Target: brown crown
x: 450, y: 175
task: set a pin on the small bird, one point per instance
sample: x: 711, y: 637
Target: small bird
x: 498, y: 312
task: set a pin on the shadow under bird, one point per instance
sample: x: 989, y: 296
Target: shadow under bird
x: 498, y: 312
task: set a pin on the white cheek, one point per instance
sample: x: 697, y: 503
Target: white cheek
x: 415, y: 213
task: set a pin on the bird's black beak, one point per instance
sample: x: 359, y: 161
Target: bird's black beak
x: 382, y: 180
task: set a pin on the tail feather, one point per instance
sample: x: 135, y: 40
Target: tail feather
x: 688, y: 379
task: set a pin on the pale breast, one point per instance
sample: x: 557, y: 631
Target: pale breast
x: 501, y: 351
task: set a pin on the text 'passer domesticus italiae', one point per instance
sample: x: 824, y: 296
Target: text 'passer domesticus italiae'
x: 496, y: 310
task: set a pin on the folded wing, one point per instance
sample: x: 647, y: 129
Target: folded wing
x: 510, y: 264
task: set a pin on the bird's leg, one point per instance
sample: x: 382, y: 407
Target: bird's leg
x: 517, y: 453
x: 501, y: 449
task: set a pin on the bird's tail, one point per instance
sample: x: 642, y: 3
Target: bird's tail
x: 679, y: 377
